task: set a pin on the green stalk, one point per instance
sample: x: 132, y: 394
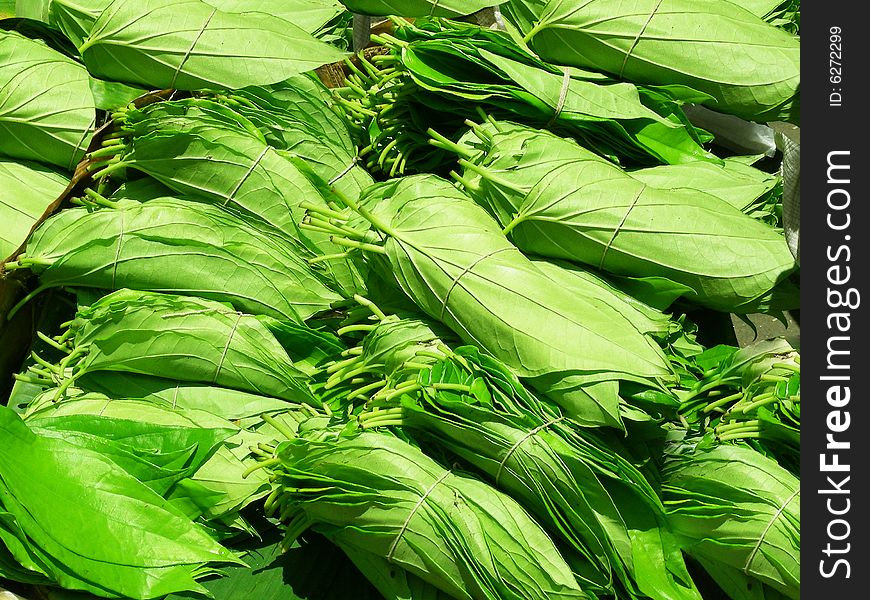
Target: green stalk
x: 736, y: 426
x: 361, y: 392
x: 322, y: 211
x: 534, y: 31
x: 33, y: 380
x: 113, y: 166
x: 282, y: 429
x: 353, y: 328
x: 722, y: 401
x: 490, y: 176
x: 104, y: 152
x: 371, y: 306
x: 99, y: 199
x: 357, y: 245
x: 440, y: 141
x: 740, y: 436
x: 757, y: 402
x: 339, y: 378
x: 272, y: 462
x: 453, y: 387
x: 45, y: 364
x: 338, y: 366
x: 14, y: 310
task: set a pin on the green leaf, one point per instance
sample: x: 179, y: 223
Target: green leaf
x: 308, y: 15
x: 558, y: 200
x: 74, y: 18
x: 138, y: 332
x: 92, y: 524
x: 748, y: 66
x: 737, y: 184
x: 735, y: 507
x: 449, y: 256
x: 111, y: 95
x: 311, y: 569
x: 379, y: 495
x: 26, y: 190
x: 190, y: 45
x: 418, y: 8
x: 227, y: 403
x: 149, y: 246
x: 46, y: 107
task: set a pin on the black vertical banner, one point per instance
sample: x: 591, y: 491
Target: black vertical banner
x: 835, y: 224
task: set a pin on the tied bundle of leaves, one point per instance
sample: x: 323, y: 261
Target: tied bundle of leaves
x: 159, y: 451
x: 297, y: 117
x: 449, y: 256
x: 75, y: 518
x: 196, y: 458
x: 456, y: 69
x: 381, y: 497
x: 738, y: 513
x: 556, y: 199
x: 234, y: 405
x: 391, y: 350
x: 46, y: 106
x: 206, y: 150
x: 150, y: 245
x: 746, y: 188
x: 76, y: 18
x: 195, y: 340
x: 191, y: 44
x: 574, y: 483
x: 748, y: 67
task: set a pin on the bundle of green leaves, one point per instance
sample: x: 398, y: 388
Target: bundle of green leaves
x: 148, y: 245
x: 738, y: 513
x: 448, y: 255
x: 748, y: 67
x: 556, y: 199
x: 117, y: 539
x: 572, y: 480
x: 456, y: 69
x: 380, y: 496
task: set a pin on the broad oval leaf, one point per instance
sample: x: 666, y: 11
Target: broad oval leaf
x: 190, y: 45
x: 174, y: 245
x: 735, y: 507
x: 751, y: 68
x: 558, y: 200
x: 418, y: 8
x: 25, y: 192
x: 196, y: 340
x: 75, y: 18
x: 308, y: 15
x: 46, y: 107
x: 97, y: 527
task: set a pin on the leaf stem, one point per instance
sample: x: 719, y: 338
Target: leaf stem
x: 371, y: 306
x: 282, y: 429
x: 441, y: 141
x: 265, y: 464
x: 341, y: 241
x: 352, y: 328
x: 490, y: 176
x: 361, y: 392
x: 14, y: 310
